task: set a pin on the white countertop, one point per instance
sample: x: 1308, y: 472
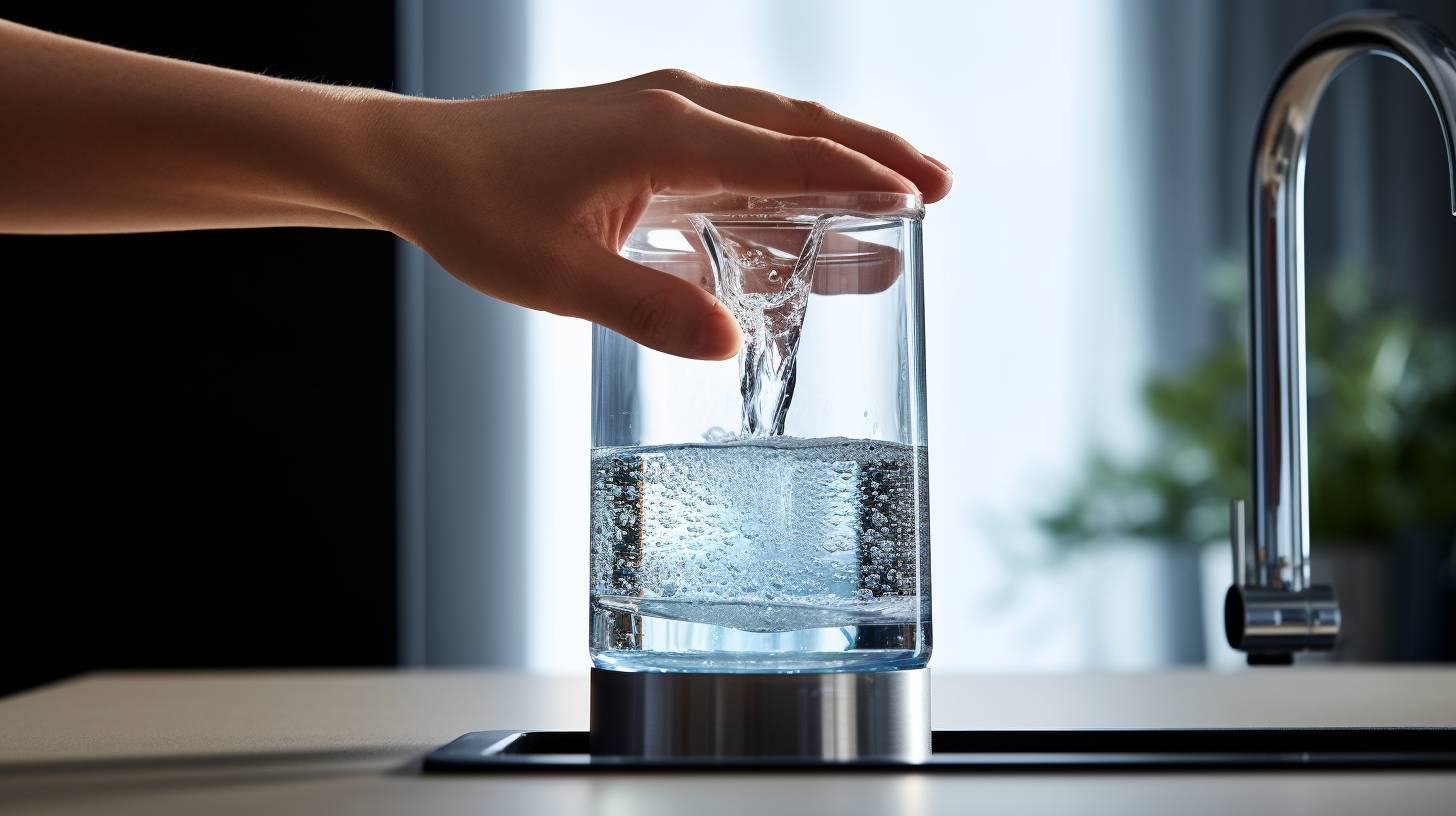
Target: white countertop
x: 350, y: 741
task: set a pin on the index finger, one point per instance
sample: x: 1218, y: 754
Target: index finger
x: 845, y: 265
x: 797, y: 117
x: 698, y: 151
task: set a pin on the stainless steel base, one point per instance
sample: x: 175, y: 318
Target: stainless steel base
x: 846, y: 715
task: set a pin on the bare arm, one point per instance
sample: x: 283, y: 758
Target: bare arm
x: 98, y: 139
x: 525, y: 197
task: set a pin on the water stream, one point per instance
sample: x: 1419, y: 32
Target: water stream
x: 766, y: 289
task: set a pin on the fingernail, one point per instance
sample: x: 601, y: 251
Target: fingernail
x: 938, y: 163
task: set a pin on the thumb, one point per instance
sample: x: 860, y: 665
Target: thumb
x: 654, y: 308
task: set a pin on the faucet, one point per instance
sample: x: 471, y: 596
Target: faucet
x: 1273, y: 610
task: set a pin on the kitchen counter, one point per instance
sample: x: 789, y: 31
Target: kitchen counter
x: 350, y: 741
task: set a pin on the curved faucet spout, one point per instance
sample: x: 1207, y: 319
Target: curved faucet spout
x: 1289, y: 109
x: 1279, y: 566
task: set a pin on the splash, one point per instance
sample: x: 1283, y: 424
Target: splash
x: 767, y: 291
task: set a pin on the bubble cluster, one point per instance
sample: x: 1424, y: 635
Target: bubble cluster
x: 763, y: 535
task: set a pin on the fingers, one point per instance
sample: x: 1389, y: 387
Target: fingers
x: 853, y: 267
x: 797, y: 117
x: 653, y: 308
x: 702, y: 151
x: 844, y: 264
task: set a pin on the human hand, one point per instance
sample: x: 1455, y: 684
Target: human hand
x: 844, y: 264
x: 528, y: 197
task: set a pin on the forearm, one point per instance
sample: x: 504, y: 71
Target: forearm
x: 97, y: 139
x: 526, y: 197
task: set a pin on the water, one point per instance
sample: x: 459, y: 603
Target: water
x: 764, y: 554
x: 756, y: 551
x: 767, y: 292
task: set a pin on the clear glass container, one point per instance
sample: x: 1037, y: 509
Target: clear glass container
x: 769, y: 513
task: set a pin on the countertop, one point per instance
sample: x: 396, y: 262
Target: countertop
x: 350, y: 741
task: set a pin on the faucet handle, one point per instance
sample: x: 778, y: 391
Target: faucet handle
x: 1271, y: 623
x: 1238, y: 530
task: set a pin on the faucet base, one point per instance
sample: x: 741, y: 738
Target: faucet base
x: 1272, y: 624
x: 1271, y: 658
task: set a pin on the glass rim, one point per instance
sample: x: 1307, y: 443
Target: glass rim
x: 667, y: 209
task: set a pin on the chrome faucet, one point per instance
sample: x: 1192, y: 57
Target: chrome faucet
x: 1273, y: 610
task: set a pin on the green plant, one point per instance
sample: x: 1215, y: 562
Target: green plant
x: 1382, y: 435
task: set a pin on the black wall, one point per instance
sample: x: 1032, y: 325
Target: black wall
x: 199, y: 445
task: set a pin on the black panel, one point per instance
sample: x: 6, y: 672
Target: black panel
x: 1215, y: 749
x: 200, y: 435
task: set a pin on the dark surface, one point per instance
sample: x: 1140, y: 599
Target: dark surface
x: 967, y: 751
x: 200, y: 451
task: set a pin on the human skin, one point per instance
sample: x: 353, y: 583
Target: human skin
x: 527, y: 197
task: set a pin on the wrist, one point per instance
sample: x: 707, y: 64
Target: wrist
x: 351, y: 162
x: 376, y: 164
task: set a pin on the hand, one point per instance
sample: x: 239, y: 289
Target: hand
x: 857, y: 267
x: 528, y: 197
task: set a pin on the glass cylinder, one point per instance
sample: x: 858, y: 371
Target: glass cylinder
x: 769, y: 513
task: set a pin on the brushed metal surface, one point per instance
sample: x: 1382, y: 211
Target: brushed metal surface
x: 842, y: 715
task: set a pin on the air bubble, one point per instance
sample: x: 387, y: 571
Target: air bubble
x: 719, y: 533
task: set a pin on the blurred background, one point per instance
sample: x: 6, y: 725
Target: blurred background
x: 313, y: 448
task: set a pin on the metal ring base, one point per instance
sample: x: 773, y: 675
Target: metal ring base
x: 844, y: 715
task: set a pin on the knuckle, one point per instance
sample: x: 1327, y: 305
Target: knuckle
x: 676, y: 78
x: 811, y: 111
x: 659, y: 102
x: 665, y: 125
x: 900, y: 142
x: 651, y: 317
x: 813, y: 151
